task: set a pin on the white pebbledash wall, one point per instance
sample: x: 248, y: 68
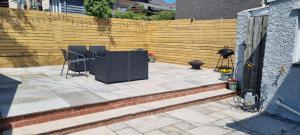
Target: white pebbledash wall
x: 279, y: 53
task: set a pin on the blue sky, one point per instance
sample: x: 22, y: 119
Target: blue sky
x: 169, y: 1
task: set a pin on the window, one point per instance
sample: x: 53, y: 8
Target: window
x: 296, y: 56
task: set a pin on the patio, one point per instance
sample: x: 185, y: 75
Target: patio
x: 42, y: 88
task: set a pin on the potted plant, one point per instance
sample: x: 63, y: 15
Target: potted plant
x: 151, y: 57
x: 232, y: 84
x: 226, y: 74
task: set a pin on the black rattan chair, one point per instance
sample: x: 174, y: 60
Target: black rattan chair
x: 76, y: 58
x: 95, y: 51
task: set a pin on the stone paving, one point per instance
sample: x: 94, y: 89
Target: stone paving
x: 215, y: 118
x: 36, y: 89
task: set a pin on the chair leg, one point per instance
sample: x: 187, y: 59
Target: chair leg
x: 62, y: 70
x: 68, y: 71
x: 85, y: 69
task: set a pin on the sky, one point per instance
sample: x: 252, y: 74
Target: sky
x: 169, y: 1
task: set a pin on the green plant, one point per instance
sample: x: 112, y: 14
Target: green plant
x: 98, y: 8
x: 163, y: 15
x: 129, y: 15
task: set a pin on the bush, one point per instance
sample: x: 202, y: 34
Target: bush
x: 98, y: 8
x: 129, y: 15
x: 163, y: 15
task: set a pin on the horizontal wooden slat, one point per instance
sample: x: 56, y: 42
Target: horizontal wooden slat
x: 33, y: 38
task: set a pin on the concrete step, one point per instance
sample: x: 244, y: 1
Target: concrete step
x: 78, y: 123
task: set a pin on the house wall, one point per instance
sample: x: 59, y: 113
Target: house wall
x: 212, y: 9
x: 12, y: 4
x: 283, y: 23
x: 67, y: 6
x: 3, y: 3
x: 281, y: 33
x: 46, y: 4
x: 33, y: 38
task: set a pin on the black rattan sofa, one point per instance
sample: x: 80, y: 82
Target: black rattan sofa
x: 121, y: 66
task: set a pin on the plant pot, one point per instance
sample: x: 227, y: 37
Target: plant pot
x: 196, y: 64
x: 226, y: 76
x: 151, y: 59
x: 232, y: 86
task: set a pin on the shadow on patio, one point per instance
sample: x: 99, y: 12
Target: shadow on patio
x: 8, y: 88
x: 269, y: 124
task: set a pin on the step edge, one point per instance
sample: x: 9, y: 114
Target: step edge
x: 129, y: 114
x: 116, y: 100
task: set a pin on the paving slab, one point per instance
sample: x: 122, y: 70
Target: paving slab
x: 201, y: 109
x: 170, y: 130
x: 118, y: 126
x: 32, y: 107
x: 191, y: 116
x: 95, y: 131
x: 155, y: 132
x: 218, y: 115
x: 81, y: 98
x: 150, y: 123
x: 128, y: 131
x: 184, y: 126
x: 209, y: 130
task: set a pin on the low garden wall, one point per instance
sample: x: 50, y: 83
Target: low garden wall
x: 32, y: 38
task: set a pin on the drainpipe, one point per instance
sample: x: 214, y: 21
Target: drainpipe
x: 278, y: 102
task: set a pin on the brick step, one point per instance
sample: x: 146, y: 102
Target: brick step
x: 63, y: 113
x: 78, y: 123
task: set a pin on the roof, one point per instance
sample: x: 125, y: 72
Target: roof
x: 157, y: 6
x: 260, y: 11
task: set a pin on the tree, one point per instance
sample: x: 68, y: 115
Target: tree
x: 98, y: 8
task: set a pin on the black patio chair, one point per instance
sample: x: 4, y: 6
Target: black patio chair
x: 93, y: 52
x: 76, y: 58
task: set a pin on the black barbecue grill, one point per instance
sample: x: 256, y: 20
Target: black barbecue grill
x: 225, y: 54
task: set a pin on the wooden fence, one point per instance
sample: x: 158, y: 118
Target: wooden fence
x: 34, y: 38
